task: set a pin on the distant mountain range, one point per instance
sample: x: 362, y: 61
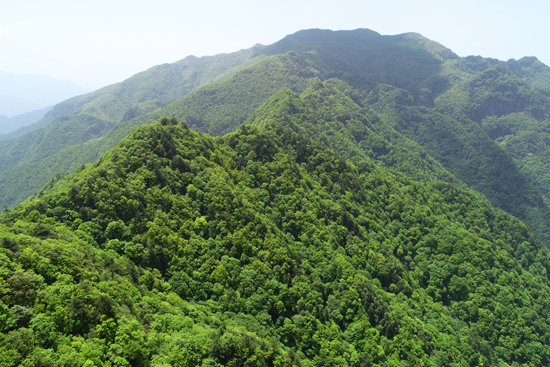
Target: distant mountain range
x: 10, y: 124
x: 25, y: 93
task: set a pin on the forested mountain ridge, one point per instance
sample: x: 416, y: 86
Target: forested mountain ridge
x: 465, y: 150
x: 377, y: 58
x: 90, y: 116
x: 326, y: 113
x: 9, y: 125
x: 413, y: 85
x: 263, y: 247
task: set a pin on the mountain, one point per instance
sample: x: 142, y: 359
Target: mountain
x: 264, y: 247
x: 427, y: 106
x: 103, y: 109
x: 463, y: 148
x: 334, y: 199
x: 427, y: 110
x: 215, y: 108
x: 11, y: 124
x: 91, y: 116
x: 20, y: 94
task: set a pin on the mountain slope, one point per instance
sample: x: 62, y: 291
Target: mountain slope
x: 7, y: 124
x: 362, y: 57
x: 232, y: 107
x: 226, y: 104
x: 527, y: 140
x: 221, y: 106
x: 101, y: 111
x: 264, y: 247
x: 464, y: 149
x: 494, y: 92
x: 533, y: 72
x: 326, y: 114
x: 406, y: 133
x: 90, y: 116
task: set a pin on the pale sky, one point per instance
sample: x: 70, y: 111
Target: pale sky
x: 95, y: 43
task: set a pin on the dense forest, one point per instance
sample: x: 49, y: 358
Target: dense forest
x: 334, y: 199
x: 264, y: 248
x: 421, y: 98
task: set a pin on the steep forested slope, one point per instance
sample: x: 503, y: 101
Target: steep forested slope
x: 464, y: 149
x: 494, y: 92
x: 360, y: 57
x: 527, y: 140
x: 428, y: 119
x: 326, y: 113
x: 264, y: 248
x: 90, y: 116
x: 533, y: 72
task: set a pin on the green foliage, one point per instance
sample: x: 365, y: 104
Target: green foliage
x: 265, y: 248
x: 327, y: 113
x: 463, y: 148
x: 84, y: 118
x: 527, y: 140
x: 494, y: 92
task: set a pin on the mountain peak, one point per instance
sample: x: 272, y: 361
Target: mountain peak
x: 431, y: 46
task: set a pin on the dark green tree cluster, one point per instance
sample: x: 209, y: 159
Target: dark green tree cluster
x: 264, y: 248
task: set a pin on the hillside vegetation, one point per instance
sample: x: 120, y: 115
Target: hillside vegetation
x: 334, y: 199
x: 465, y: 150
x: 426, y: 120
x: 360, y: 57
x: 264, y: 248
x: 90, y: 116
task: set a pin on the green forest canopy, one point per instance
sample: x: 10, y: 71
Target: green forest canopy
x: 264, y: 248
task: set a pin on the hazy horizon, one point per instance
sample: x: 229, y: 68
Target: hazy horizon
x: 31, y: 92
x: 100, y: 43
